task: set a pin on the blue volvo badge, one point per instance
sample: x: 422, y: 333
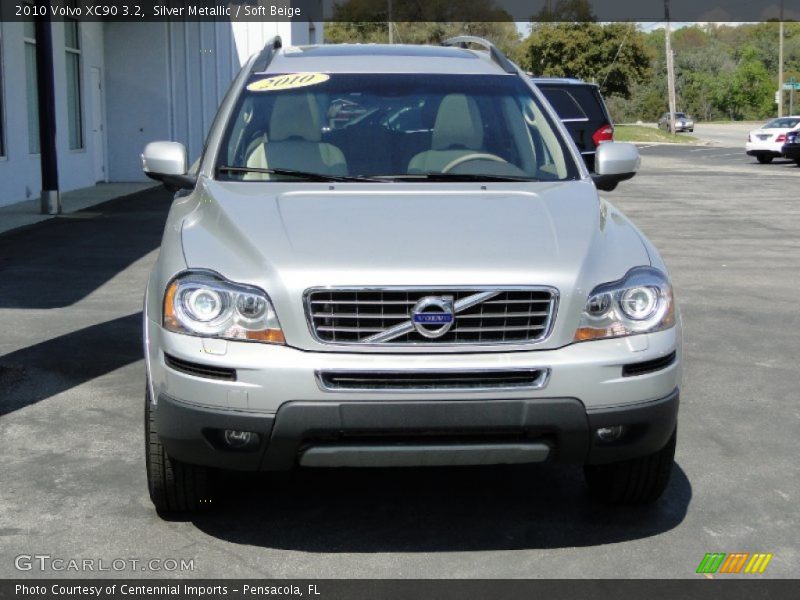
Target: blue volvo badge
x: 433, y: 316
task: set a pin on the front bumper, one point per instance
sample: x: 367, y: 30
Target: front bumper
x: 478, y: 432
x: 276, y: 393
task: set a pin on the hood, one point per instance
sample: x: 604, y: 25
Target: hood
x: 286, y: 239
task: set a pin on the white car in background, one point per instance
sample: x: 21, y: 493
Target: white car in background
x: 765, y: 143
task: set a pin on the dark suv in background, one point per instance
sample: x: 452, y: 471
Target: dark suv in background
x: 582, y: 110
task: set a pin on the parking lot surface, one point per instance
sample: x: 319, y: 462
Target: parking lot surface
x: 71, y: 397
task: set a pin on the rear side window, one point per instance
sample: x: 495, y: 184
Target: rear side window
x: 565, y: 105
x: 576, y: 102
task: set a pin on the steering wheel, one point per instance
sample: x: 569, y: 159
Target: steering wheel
x: 470, y: 157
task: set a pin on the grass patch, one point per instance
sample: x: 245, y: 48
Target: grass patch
x: 639, y: 133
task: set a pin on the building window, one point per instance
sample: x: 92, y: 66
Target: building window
x: 31, y: 87
x: 72, y: 45
x: 2, y: 105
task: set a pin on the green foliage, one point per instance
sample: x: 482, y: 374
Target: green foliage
x: 418, y: 10
x: 721, y: 71
x: 565, y: 11
x: 613, y: 55
x: 503, y: 34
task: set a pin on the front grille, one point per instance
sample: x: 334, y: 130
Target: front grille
x: 482, y: 315
x: 433, y: 380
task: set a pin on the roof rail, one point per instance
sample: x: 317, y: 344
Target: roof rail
x: 463, y: 41
x: 266, y: 55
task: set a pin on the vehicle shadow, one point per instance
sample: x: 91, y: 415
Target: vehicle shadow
x: 43, y: 370
x: 60, y: 261
x: 431, y: 510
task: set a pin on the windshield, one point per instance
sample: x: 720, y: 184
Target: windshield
x: 320, y: 127
x: 782, y: 123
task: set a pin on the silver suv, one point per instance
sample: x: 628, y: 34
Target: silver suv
x: 394, y: 256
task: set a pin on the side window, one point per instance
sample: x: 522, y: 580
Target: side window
x: 2, y: 103
x: 565, y: 104
x: 546, y: 149
x: 72, y: 48
x: 249, y: 130
x: 31, y: 89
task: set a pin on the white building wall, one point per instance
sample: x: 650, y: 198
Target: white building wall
x: 161, y: 81
x: 20, y: 170
x: 171, y: 87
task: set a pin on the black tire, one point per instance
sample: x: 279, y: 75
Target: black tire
x: 764, y: 159
x: 636, y: 481
x: 174, y: 486
x: 797, y: 161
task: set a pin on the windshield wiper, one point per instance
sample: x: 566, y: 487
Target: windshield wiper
x: 456, y: 177
x: 307, y: 175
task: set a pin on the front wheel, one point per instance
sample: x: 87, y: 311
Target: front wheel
x: 174, y: 486
x: 764, y: 159
x: 639, y: 480
x: 797, y: 161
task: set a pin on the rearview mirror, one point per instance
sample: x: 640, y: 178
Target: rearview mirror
x: 167, y: 162
x: 614, y: 162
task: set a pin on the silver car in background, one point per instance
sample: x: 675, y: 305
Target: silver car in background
x: 394, y: 256
x: 683, y: 122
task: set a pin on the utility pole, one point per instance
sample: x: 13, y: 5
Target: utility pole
x: 391, y: 33
x: 780, y: 63
x: 670, y: 68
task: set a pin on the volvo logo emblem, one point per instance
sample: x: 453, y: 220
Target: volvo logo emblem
x: 433, y: 316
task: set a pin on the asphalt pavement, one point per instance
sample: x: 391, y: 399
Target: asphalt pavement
x: 72, y: 479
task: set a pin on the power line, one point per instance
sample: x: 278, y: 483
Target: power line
x: 616, y: 56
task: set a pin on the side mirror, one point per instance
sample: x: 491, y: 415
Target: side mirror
x: 167, y: 162
x: 614, y: 162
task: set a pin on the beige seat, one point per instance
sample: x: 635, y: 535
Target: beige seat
x: 457, y: 132
x: 293, y: 141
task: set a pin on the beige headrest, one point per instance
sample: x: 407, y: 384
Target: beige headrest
x: 294, y: 116
x: 458, y: 124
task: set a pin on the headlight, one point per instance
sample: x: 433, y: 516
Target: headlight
x: 640, y: 302
x: 203, y: 304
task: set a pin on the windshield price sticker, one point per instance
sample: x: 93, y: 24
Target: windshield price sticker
x: 287, y: 82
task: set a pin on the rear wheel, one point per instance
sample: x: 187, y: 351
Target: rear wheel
x: 174, y: 486
x: 636, y: 481
x: 764, y: 159
x: 797, y: 161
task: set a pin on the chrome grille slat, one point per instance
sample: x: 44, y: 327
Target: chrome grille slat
x: 432, y: 380
x: 505, y: 315
x: 517, y: 302
x: 383, y: 316
x: 375, y: 302
x: 358, y: 316
x: 484, y: 329
x: 351, y: 329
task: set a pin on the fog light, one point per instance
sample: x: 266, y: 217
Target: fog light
x: 610, y: 434
x: 240, y: 439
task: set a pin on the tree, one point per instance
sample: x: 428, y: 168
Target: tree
x: 565, y: 11
x: 613, y: 55
x: 503, y: 34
